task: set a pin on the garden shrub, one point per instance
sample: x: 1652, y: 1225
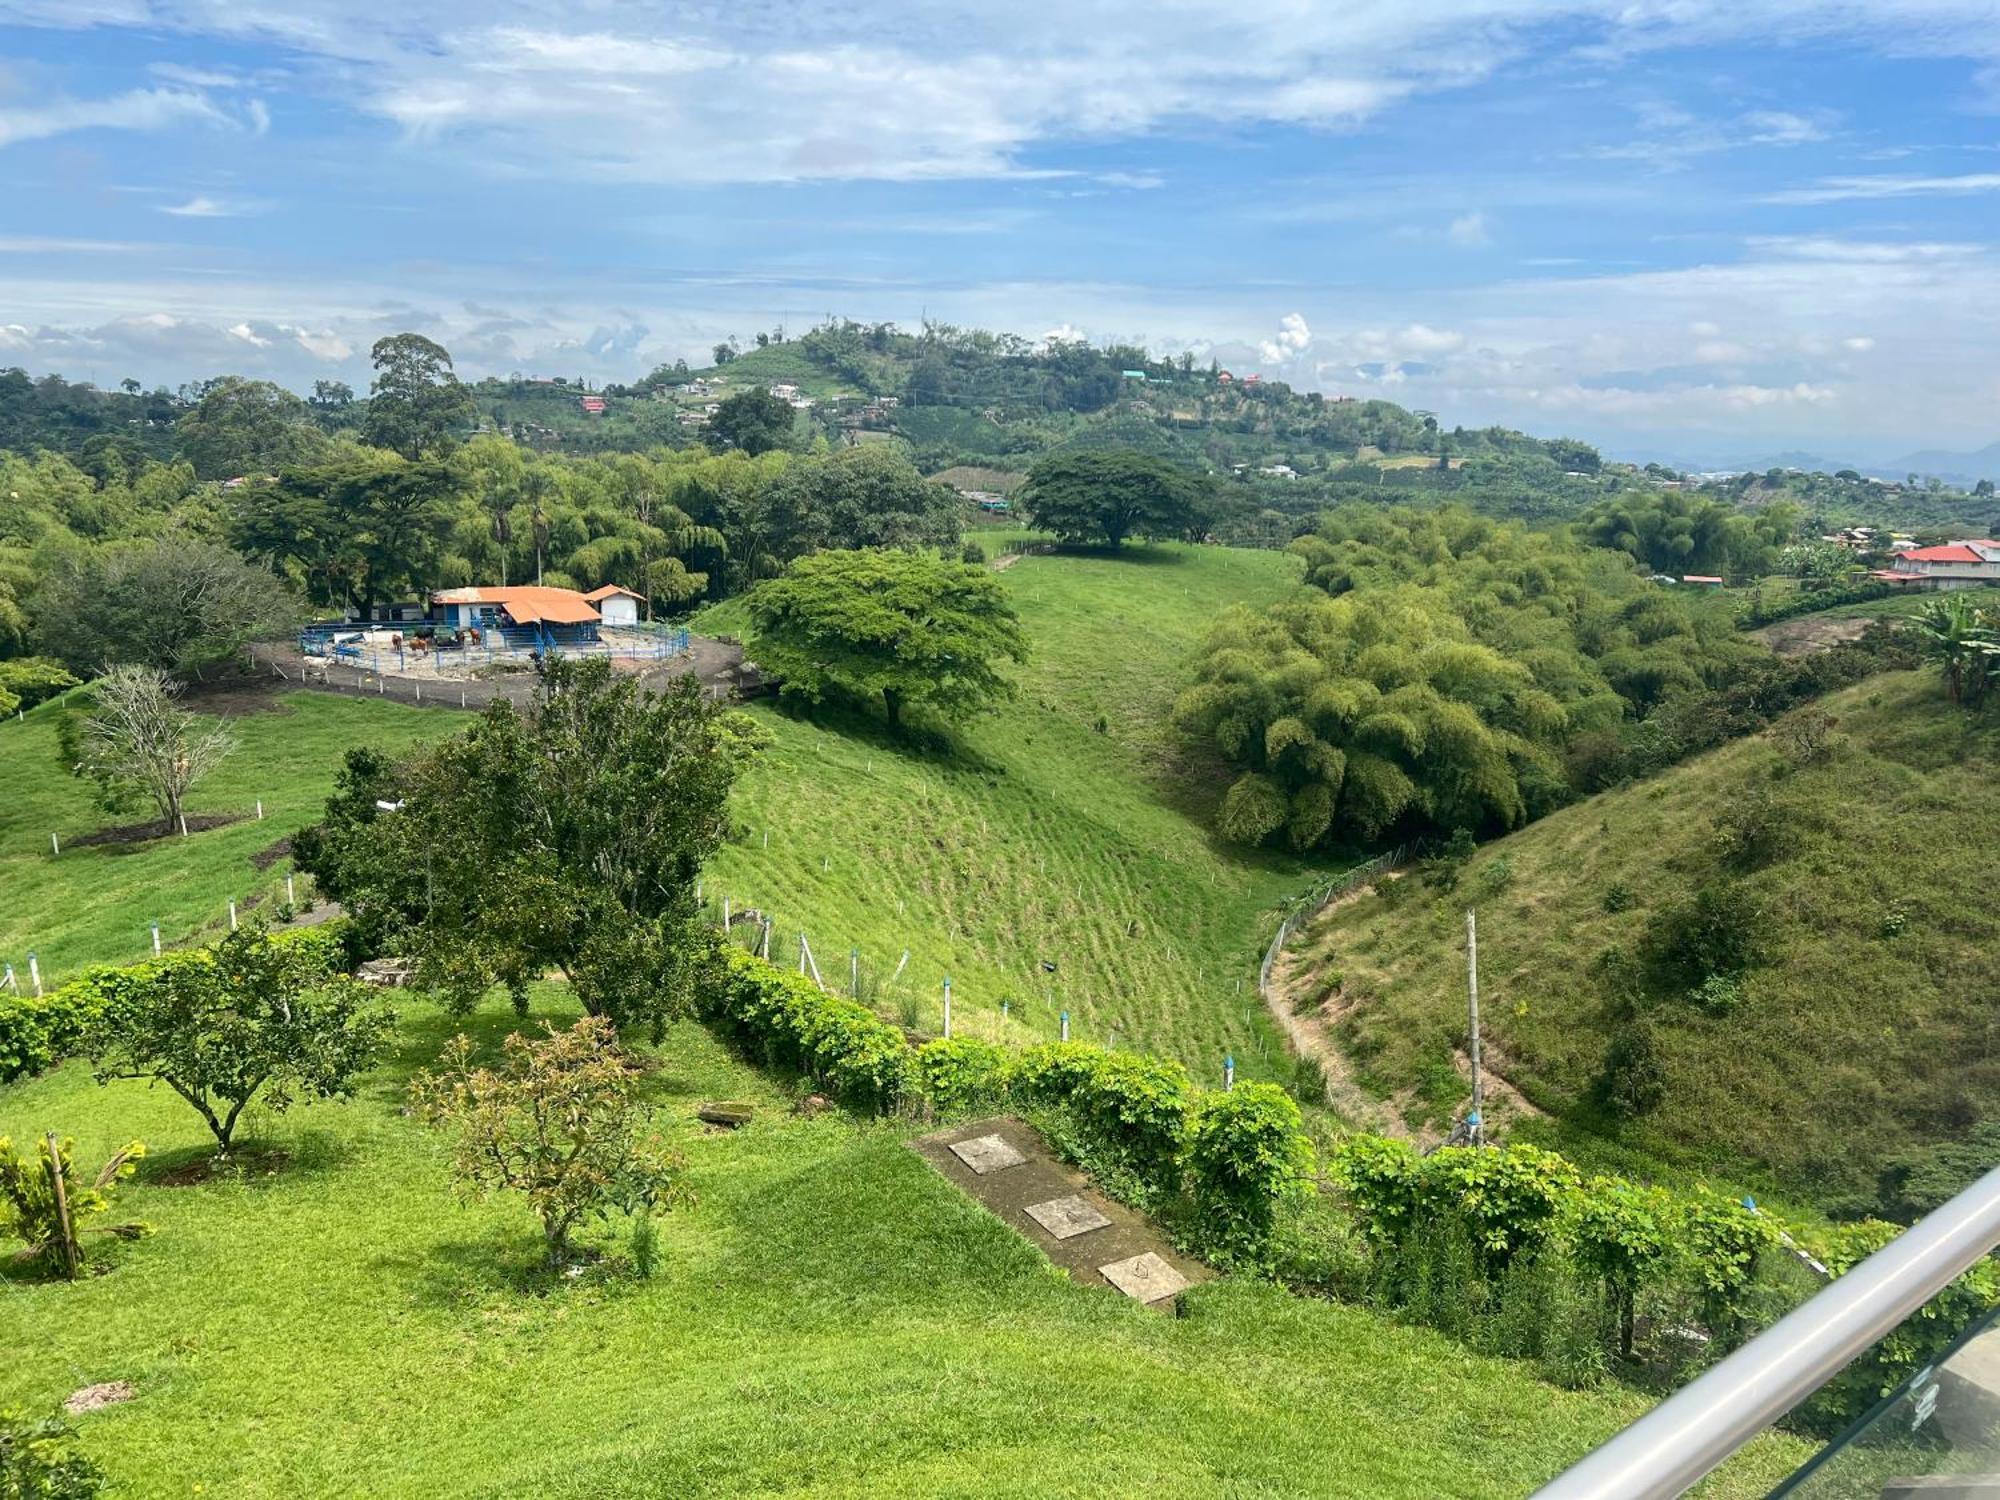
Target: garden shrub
x: 960, y: 1075
x: 1131, y: 1110
x: 1633, y: 1082
x: 1247, y: 1163
x: 53, y: 1224
x: 39, y: 1460
x: 840, y: 1044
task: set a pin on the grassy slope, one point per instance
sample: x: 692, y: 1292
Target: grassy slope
x: 831, y: 1318
x: 1848, y: 1044
x: 92, y: 904
x: 1045, y: 839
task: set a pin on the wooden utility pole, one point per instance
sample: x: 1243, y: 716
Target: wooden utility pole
x: 1475, y: 1121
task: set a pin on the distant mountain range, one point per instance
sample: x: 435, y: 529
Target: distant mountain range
x: 1961, y: 469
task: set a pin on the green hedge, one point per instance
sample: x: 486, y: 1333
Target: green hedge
x: 840, y: 1044
x: 1635, y: 1254
x: 37, y: 1032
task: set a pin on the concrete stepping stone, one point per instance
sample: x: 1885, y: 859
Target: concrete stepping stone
x: 1144, y: 1278
x: 1066, y: 1218
x: 987, y: 1153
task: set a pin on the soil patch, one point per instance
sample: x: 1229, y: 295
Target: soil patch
x: 1809, y: 634
x: 207, y: 1167
x: 270, y: 854
x: 233, y: 697
x: 91, y: 1397
x: 139, y: 833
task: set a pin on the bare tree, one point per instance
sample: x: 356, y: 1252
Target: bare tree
x: 137, y: 743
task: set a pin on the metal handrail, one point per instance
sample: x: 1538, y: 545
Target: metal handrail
x: 1701, y: 1424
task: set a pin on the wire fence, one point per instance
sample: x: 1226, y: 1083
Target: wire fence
x: 1304, y: 908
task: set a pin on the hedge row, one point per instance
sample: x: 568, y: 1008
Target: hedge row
x: 38, y: 1031
x: 1235, y: 1161
x: 1635, y: 1255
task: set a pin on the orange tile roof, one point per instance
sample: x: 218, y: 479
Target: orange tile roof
x: 597, y: 595
x: 528, y: 604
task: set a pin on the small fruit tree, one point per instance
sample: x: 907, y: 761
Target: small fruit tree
x: 561, y: 1121
x: 259, y: 1017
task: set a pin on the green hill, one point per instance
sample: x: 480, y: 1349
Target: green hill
x: 1833, y: 897
x: 1060, y: 859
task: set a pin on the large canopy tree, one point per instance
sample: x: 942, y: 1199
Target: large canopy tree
x: 1108, y: 496
x: 904, y: 628
x: 569, y: 836
x: 856, y: 497
x: 416, y: 404
x: 247, y: 428
x: 356, y: 533
x: 178, y: 605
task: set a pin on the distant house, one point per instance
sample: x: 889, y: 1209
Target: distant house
x: 615, y: 605
x: 785, y: 392
x: 1223, y: 377
x: 1702, y: 580
x: 1133, y: 374
x: 1954, y: 565
x: 547, y: 616
x: 592, y: 404
x: 1279, y: 471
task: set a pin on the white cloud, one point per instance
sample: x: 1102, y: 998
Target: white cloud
x: 1888, y: 185
x: 139, y: 109
x: 654, y: 90
x: 1469, y: 229
x: 1293, y: 338
x: 201, y: 206
x: 28, y: 244
x: 1865, y: 252
x: 1860, y: 343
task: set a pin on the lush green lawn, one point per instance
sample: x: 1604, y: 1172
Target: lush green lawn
x: 831, y: 1318
x: 94, y: 903
x: 1060, y: 859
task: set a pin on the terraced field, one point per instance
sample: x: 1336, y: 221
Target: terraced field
x: 1060, y: 859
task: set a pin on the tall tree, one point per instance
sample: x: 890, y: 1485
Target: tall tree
x: 754, y: 420
x: 247, y: 428
x: 1107, y: 496
x: 905, y: 628
x: 416, y: 404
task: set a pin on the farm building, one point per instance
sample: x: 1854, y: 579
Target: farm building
x: 1955, y: 565
x: 547, y: 616
x: 615, y: 606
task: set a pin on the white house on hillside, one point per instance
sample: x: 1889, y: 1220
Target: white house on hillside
x: 615, y: 605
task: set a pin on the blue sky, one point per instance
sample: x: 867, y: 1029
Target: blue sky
x: 1670, y: 226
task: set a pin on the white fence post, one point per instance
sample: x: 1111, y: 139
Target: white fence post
x: 156, y: 940
x: 34, y: 973
x: 947, y: 1007
x: 232, y: 916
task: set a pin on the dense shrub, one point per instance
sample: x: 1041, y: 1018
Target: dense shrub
x: 840, y: 1044
x: 1512, y: 1250
x: 1131, y: 1110
x: 1762, y: 611
x: 1718, y: 931
x: 1247, y: 1164
x: 39, y: 1460
x: 29, y: 680
x: 960, y: 1075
